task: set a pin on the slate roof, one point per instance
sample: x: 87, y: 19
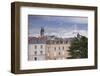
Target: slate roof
x: 35, y: 40
x: 46, y: 40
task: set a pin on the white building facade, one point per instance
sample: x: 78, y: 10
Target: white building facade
x: 36, y: 47
x: 36, y: 52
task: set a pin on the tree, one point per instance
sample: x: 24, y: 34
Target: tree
x: 79, y: 47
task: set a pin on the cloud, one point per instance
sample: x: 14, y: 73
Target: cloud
x: 55, y: 21
x: 68, y: 34
x: 60, y: 26
x: 59, y: 32
x: 80, y: 20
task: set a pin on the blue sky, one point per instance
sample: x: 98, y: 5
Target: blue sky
x: 62, y: 26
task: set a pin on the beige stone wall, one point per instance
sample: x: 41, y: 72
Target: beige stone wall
x: 57, y: 51
x: 50, y: 51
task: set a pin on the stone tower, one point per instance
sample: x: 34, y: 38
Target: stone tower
x: 42, y: 32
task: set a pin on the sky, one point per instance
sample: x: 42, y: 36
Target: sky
x: 60, y: 26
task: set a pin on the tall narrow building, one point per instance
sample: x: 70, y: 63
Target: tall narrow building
x: 42, y: 32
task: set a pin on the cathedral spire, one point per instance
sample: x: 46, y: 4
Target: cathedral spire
x: 42, y: 32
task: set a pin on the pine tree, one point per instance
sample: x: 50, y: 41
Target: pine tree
x: 79, y: 47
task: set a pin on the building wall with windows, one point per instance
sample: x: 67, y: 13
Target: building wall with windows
x: 36, y: 52
x: 55, y: 51
x: 48, y: 47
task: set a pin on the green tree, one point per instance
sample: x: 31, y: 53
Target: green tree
x: 79, y: 47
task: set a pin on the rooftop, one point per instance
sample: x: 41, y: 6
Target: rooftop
x: 48, y: 40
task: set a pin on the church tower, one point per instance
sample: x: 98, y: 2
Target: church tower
x: 42, y: 32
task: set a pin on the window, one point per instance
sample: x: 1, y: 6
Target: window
x: 59, y: 48
x: 41, y: 46
x: 54, y: 48
x: 61, y: 42
x: 66, y: 42
x: 35, y: 52
x: 59, y: 53
x: 41, y: 52
x: 57, y: 42
x: 53, y: 42
x: 35, y: 58
x: 54, y: 58
x: 63, y: 48
x: 35, y: 47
